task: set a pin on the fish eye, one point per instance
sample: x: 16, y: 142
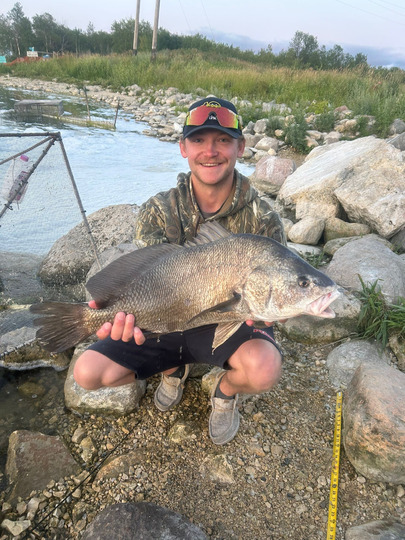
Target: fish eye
x: 303, y: 282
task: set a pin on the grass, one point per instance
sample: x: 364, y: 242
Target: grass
x: 366, y: 91
x: 378, y: 318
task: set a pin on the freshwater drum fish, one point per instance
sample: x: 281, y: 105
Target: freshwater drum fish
x: 218, y: 277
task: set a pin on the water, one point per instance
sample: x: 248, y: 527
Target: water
x: 109, y: 167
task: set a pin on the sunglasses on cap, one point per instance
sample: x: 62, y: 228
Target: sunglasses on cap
x: 224, y: 116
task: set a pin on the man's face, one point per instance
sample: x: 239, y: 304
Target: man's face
x: 211, y: 155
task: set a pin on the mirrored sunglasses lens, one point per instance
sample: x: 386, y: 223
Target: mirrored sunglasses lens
x: 199, y: 115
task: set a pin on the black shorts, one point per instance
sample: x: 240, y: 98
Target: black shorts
x: 179, y: 348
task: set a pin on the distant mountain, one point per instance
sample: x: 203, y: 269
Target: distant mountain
x: 386, y: 57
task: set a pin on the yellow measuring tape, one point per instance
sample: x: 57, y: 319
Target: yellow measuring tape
x: 334, y: 480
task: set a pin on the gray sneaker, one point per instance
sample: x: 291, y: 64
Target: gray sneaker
x: 170, y: 391
x: 224, y: 419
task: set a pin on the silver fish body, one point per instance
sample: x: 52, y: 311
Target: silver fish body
x: 217, y: 278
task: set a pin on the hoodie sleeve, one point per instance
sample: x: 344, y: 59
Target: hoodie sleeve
x: 269, y: 221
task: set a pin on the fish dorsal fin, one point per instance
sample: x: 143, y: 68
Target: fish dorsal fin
x: 208, y: 232
x: 112, y: 279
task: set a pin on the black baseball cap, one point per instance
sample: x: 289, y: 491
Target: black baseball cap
x: 213, y: 113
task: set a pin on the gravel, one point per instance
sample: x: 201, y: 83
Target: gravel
x: 271, y: 482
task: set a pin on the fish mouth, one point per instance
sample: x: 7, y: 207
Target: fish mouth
x: 320, y: 307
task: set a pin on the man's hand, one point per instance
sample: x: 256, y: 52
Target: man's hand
x: 122, y: 328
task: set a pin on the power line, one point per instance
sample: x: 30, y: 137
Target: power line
x: 185, y: 16
x: 370, y: 12
x: 206, y: 16
x: 392, y: 4
x: 385, y: 7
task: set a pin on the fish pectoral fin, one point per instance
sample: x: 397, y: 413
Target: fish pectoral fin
x: 222, y: 307
x: 223, y: 332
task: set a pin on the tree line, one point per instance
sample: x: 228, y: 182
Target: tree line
x: 18, y: 34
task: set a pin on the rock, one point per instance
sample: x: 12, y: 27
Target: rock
x: 307, y: 231
x: 397, y: 345
x: 374, y: 423
x: 261, y: 125
x: 217, y: 469
x: 386, y: 529
x: 363, y: 177
x: 305, y: 250
x: 310, y: 330
x: 115, y: 401
x: 332, y: 246
x: 251, y: 139
x: 271, y: 172
x: 20, y: 284
x: 337, y: 228
x: 398, y: 142
x: 15, y: 527
x: 370, y: 258
x: 71, y: 257
x: 398, y: 240
x: 141, y: 521
x: 397, y: 127
x: 122, y: 464
x: 183, y: 431
x: 373, y: 192
x: 34, y: 459
x: 267, y: 143
x: 343, y: 361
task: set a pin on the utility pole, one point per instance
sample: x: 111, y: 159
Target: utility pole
x: 136, y: 29
x: 155, y: 30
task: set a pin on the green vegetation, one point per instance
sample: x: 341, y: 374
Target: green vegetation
x: 378, y: 319
x: 305, y: 77
x: 365, y: 91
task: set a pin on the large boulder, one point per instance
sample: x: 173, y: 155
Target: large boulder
x: 343, y: 361
x: 141, y: 521
x: 374, y: 423
x: 372, y: 260
x: 34, y: 459
x: 362, y: 178
x: 271, y: 172
x: 71, y: 257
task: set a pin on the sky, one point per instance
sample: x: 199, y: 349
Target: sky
x: 373, y: 27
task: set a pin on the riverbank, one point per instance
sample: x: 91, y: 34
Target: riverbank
x: 271, y: 481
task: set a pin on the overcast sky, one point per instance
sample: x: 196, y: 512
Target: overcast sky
x: 374, y: 27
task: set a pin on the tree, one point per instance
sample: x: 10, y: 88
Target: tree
x: 21, y: 31
x: 6, y: 37
x: 305, y: 50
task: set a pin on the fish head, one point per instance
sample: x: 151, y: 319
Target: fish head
x: 287, y: 286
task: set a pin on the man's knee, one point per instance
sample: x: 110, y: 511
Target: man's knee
x: 262, y: 366
x: 84, y: 374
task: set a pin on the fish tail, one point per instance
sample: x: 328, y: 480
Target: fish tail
x: 61, y: 325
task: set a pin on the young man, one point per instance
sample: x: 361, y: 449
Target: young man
x: 212, y: 190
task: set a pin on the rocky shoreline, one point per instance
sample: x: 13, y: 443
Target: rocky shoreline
x: 163, y: 110
x: 273, y: 480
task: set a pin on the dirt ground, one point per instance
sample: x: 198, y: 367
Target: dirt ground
x: 271, y: 482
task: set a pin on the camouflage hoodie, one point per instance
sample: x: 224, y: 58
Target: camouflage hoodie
x: 174, y: 216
